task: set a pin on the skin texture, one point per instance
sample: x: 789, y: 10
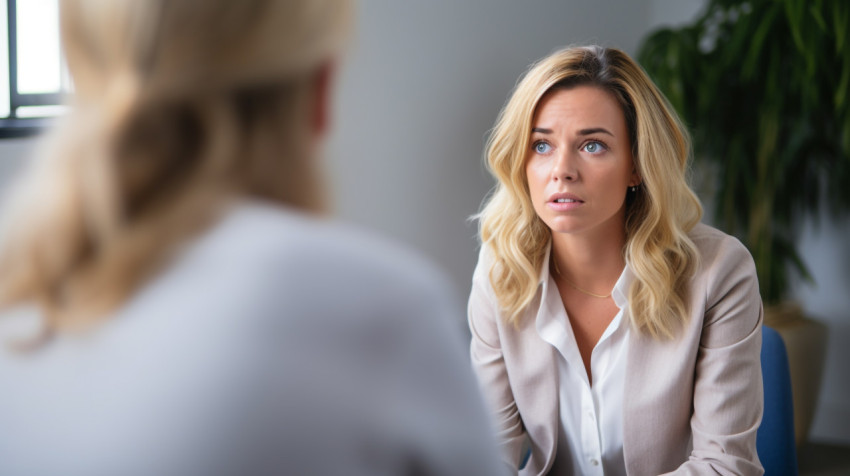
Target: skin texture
x: 580, y: 150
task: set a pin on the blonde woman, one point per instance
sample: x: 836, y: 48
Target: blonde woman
x: 173, y: 306
x: 611, y: 332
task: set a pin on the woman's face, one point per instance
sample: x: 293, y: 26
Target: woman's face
x: 579, y: 164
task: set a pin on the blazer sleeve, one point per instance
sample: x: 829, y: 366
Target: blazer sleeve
x: 728, y: 392
x: 489, y: 364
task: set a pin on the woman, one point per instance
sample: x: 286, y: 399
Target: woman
x: 611, y: 332
x: 181, y: 310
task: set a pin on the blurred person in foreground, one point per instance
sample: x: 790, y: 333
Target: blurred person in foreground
x: 611, y: 331
x: 174, y: 305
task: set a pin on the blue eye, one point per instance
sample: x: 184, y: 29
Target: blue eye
x: 542, y: 147
x: 593, y: 147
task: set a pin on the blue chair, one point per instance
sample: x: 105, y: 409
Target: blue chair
x: 775, y: 438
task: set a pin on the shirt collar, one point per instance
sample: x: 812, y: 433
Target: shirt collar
x: 543, y: 278
x: 620, y: 293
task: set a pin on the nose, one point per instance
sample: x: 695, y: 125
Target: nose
x: 565, y: 168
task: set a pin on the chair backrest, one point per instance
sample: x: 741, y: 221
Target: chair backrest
x: 775, y: 439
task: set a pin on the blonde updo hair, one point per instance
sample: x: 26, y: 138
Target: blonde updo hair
x: 658, y: 216
x: 179, y: 106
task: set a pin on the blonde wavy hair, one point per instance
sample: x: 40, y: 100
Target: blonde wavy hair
x: 658, y: 216
x: 179, y: 107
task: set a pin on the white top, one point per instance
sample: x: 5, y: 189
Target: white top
x: 590, y: 439
x: 275, y: 344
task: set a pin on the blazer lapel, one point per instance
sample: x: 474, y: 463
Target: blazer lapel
x: 538, y: 401
x: 658, y: 400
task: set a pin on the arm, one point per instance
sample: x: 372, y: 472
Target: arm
x: 728, y: 392
x: 489, y: 365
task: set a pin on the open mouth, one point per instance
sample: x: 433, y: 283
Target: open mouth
x: 564, y: 202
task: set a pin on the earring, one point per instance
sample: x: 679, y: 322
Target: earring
x: 634, y: 189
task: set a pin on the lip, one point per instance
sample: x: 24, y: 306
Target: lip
x: 553, y: 203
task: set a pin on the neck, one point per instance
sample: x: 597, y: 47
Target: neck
x: 593, y: 261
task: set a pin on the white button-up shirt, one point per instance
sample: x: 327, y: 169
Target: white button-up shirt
x: 590, y: 439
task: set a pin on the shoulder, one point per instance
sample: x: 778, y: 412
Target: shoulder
x: 720, y: 252
x: 482, y: 295
x: 284, y: 256
x: 486, y: 258
x: 728, y: 284
x: 708, y: 238
x: 279, y: 235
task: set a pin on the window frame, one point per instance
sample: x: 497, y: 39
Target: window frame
x: 14, y: 126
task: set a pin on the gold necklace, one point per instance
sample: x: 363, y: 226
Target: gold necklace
x: 573, y: 285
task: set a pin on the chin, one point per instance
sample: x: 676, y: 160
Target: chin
x: 566, y: 228
x: 565, y: 231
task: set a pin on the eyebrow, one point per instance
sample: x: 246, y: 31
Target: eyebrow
x: 583, y: 132
x: 595, y: 130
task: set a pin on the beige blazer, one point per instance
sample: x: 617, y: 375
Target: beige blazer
x: 692, y: 405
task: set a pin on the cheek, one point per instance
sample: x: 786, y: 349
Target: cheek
x: 632, y: 169
x: 535, y: 177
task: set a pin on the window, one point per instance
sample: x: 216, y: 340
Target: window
x: 33, y: 78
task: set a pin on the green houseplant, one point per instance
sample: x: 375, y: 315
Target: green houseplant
x: 763, y: 86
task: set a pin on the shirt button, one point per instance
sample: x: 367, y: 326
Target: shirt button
x: 594, y: 462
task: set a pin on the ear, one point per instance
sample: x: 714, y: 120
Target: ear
x: 635, y: 179
x: 321, y: 99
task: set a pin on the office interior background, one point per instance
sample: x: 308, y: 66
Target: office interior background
x: 419, y: 90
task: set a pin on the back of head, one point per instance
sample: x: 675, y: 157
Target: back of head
x: 179, y: 106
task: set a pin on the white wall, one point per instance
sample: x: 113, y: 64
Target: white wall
x: 13, y: 154
x: 419, y: 90
x: 422, y: 86
x: 824, y: 248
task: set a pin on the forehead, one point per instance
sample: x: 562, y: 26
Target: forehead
x: 579, y: 105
